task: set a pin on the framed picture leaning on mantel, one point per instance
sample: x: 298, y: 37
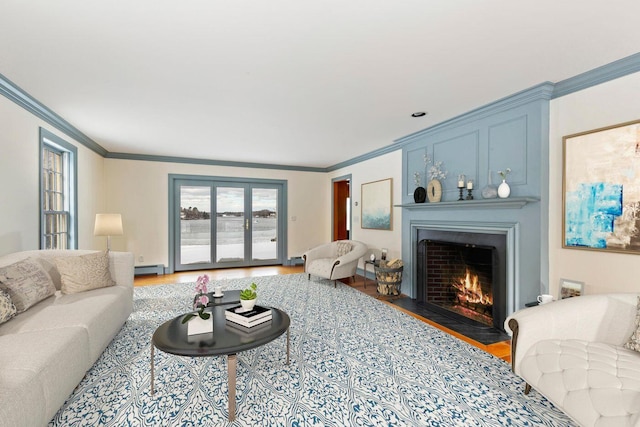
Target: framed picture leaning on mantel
x: 376, y: 204
x: 601, y: 189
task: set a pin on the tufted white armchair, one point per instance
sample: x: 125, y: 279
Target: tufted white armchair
x: 334, y: 260
x: 572, y: 351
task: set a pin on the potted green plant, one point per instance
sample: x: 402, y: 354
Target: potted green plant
x: 248, y: 296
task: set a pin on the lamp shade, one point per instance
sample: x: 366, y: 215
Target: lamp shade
x: 108, y: 225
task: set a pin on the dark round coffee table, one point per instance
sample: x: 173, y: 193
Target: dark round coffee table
x: 171, y: 337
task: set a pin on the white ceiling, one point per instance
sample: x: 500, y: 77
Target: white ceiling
x: 293, y: 82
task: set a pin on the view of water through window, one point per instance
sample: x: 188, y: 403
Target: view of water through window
x: 231, y: 227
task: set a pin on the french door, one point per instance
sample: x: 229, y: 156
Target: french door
x: 223, y: 222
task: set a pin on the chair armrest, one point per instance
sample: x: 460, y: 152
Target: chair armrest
x: 606, y: 318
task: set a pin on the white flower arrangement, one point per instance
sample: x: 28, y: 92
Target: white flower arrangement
x: 416, y: 179
x: 504, y: 173
x: 435, y: 170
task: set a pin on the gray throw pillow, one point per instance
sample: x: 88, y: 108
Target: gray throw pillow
x: 7, y: 308
x: 84, y: 272
x: 26, y: 282
x: 634, y: 341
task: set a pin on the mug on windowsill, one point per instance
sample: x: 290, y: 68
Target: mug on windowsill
x: 544, y: 298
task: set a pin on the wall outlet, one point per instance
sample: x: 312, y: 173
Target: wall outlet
x: 140, y: 258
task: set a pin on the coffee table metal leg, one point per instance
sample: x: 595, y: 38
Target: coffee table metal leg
x: 287, y: 346
x: 153, y: 348
x: 231, y: 372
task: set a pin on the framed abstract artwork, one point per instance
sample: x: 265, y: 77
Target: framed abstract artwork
x: 376, y: 204
x: 601, y: 189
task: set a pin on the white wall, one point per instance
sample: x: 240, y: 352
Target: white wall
x: 19, y: 174
x: 139, y: 191
x: 607, y: 104
x: 381, y: 167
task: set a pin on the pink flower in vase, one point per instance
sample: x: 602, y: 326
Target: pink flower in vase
x: 201, y: 284
x: 202, y: 301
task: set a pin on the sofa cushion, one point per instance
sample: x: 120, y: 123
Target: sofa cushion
x: 634, y: 341
x: 594, y: 383
x: 84, y: 273
x: 343, y: 248
x: 7, y: 308
x: 26, y: 282
x: 48, y: 363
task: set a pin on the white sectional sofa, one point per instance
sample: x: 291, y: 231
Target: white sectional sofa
x: 46, y: 350
x: 572, y: 352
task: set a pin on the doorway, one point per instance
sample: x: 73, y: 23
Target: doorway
x: 341, y: 208
x: 219, y: 222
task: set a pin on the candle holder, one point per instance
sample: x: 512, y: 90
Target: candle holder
x: 469, y: 195
x: 461, y: 192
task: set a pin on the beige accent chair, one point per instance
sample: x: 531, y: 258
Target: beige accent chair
x: 334, y: 260
x: 573, y: 352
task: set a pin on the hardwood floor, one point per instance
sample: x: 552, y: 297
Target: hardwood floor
x: 501, y: 349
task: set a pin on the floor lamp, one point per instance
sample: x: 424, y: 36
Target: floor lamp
x: 108, y: 225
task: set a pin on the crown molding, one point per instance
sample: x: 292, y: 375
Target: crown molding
x: 605, y: 73
x: 38, y: 109
x: 544, y: 91
x: 209, y: 162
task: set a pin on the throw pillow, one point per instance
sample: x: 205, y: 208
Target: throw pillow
x: 343, y: 248
x: 84, y: 272
x: 634, y: 341
x: 26, y: 282
x: 7, y: 308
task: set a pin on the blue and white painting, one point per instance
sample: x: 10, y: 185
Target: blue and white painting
x: 376, y: 204
x: 602, y: 189
x: 591, y: 212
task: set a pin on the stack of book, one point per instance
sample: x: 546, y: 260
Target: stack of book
x: 248, y: 318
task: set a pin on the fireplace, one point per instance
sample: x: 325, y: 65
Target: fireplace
x: 462, y: 275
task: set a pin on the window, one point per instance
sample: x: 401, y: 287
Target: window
x: 58, y: 202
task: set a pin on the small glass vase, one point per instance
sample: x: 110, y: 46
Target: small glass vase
x: 489, y: 191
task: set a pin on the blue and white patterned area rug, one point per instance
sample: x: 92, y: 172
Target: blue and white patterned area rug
x: 354, y: 362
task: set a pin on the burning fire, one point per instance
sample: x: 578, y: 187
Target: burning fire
x: 470, y: 291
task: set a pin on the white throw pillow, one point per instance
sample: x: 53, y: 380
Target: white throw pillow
x: 634, y: 341
x: 26, y: 282
x: 84, y: 272
x: 7, y: 308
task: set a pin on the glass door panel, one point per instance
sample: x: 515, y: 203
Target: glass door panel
x: 195, y: 225
x: 264, y: 226
x: 230, y: 232
x: 226, y: 222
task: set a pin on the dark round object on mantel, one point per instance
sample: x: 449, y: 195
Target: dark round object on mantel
x: 420, y: 195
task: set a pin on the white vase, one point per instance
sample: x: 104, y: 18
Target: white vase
x: 504, y: 190
x: 248, y: 304
x: 198, y: 325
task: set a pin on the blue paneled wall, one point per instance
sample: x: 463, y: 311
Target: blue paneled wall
x: 509, y: 133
